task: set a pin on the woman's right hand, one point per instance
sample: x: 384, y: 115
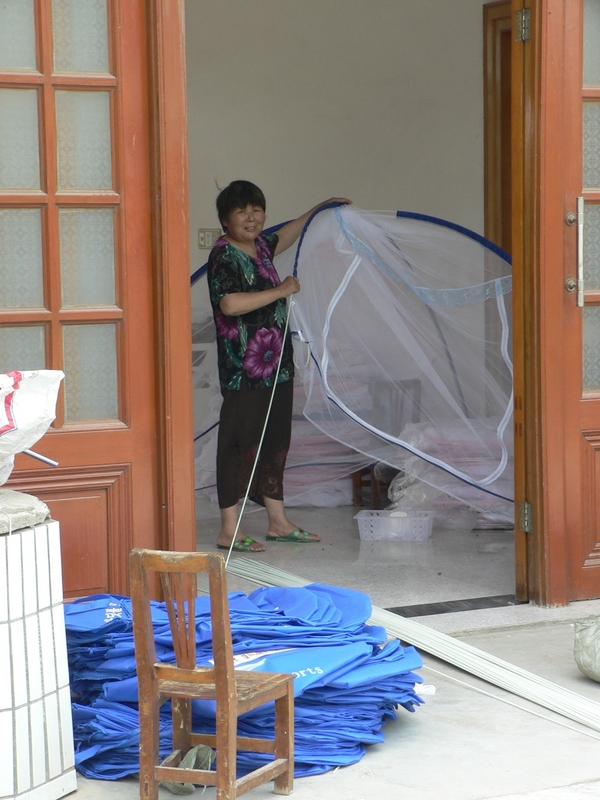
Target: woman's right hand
x: 289, y: 286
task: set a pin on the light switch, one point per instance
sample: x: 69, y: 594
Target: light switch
x: 207, y: 237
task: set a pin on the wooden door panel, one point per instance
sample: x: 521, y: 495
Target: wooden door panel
x: 563, y: 404
x: 589, y: 552
x: 581, y: 406
x: 94, y: 506
x: 84, y: 538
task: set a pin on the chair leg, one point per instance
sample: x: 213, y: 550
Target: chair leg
x: 375, y: 490
x: 181, y: 712
x: 284, y: 740
x: 149, y: 743
x: 226, y: 750
x: 357, y: 488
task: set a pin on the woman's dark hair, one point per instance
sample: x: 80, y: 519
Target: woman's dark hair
x: 238, y: 194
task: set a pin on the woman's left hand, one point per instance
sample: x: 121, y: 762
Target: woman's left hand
x: 341, y: 200
x: 290, y: 232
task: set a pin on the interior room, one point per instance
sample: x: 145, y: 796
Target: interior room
x: 382, y: 103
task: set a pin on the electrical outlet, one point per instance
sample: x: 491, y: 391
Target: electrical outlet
x: 207, y: 237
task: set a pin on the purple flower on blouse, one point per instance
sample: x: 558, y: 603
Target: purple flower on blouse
x: 262, y: 353
x: 227, y: 327
x: 265, y: 267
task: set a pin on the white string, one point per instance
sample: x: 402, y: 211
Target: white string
x: 308, y: 352
x: 262, y: 436
x: 509, y: 703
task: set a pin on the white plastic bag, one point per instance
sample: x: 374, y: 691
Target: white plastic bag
x: 587, y: 647
x: 27, y: 407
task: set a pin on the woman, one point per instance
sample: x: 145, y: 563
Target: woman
x: 249, y: 307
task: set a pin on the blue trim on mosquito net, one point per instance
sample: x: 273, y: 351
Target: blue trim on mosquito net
x: 448, y: 298
x: 465, y: 231
x: 208, y: 430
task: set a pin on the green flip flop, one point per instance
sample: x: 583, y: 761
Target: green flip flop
x: 299, y: 536
x: 242, y: 546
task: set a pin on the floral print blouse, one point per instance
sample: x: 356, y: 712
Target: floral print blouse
x: 251, y: 343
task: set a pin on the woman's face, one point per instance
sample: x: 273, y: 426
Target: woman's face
x: 245, y: 224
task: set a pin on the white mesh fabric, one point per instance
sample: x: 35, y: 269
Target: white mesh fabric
x: 409, y: 323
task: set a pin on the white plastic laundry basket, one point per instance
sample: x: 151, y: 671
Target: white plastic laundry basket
x: 395, y: 526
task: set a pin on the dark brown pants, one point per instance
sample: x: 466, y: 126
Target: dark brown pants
x: 242, y: 419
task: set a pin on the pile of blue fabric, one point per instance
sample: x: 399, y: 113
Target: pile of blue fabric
x: 349, y: 678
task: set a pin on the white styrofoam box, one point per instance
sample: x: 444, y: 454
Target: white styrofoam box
x: 3, y: 581
x: 7, y: 776
x: 42, y: 562
x: 59, y: 787
x: 15, y: 586
x: 49, y: 647
x: 66, y: 727
x: 60, y: 647
x: 53, y: 735
x: 34, y: 658
x: 19, y: 662
x: 35, y: 696
x: 23, y: 754
x: 38, y: 743
x: 6, y: 682
x: 28, y: 566
x: 54, y: 560
x: 395, y: 526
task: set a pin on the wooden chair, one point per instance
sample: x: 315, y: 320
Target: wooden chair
x: 235, y: 692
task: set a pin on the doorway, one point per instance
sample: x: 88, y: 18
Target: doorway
x: 397, y: 124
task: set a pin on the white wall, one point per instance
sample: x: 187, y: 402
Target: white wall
x: 377, y: 100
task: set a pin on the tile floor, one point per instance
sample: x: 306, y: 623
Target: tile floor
x: 451, y: 565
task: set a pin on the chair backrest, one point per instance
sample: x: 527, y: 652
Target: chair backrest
x: 178, y: 578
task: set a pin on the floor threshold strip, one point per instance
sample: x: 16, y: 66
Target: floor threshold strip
x: 452, y: 606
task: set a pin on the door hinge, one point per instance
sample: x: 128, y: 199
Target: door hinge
x: 523, y: 25
x: 525, y: 517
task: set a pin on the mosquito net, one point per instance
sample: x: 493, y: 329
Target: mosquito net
x: 403, y: 341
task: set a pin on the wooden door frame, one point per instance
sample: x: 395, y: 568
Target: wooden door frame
x: 540, y: 119
x: 497, y: 21
x: 165, y: 26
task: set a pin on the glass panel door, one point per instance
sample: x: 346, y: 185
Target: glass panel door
x: 79, y: 290
x: 59, y: 264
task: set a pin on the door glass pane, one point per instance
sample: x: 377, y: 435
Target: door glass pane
x: 17, y: 34
x: 591, y: 247
x: 591, y: 145
x: 19, y: 139
x: 22, y: 348
x: 80, y: 30
x: 21, y: 282
x: 83, y: 130
x: 87, y: 251
x: 90, y: 358
x: 591, y: 43
x: 591, y: 348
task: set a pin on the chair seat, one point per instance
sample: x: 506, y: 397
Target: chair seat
x: 264, y: 685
